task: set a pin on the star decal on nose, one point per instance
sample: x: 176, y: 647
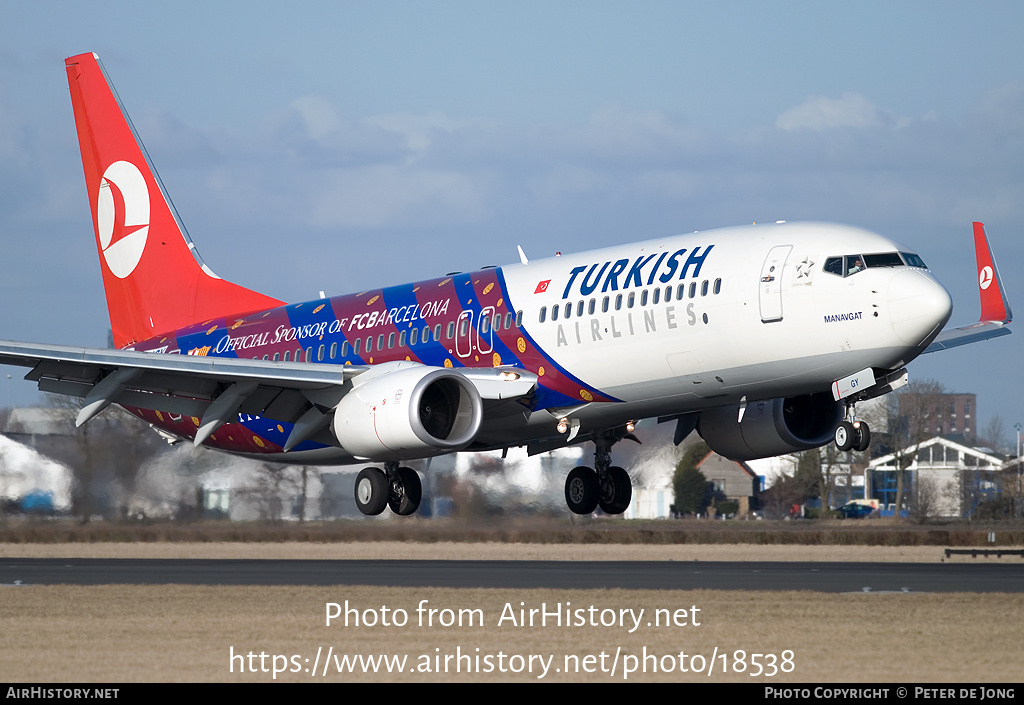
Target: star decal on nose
x: 804, y: 268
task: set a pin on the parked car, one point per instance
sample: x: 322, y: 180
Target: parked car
x: 855, y: 510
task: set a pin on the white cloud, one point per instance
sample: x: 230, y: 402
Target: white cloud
x: 819, y: 113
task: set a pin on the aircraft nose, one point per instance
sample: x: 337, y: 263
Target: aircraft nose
x: 918, y: 306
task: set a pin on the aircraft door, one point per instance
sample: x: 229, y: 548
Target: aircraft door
x: 463, y: 334
x: 770, y: 287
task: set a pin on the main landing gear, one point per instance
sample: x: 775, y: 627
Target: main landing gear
x: 853, y: 434
x: 607, y: 486
x: 396, y: 487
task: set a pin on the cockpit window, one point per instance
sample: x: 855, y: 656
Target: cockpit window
x: 913, y: 260
x: 849, y: 265
x: 885, y: 259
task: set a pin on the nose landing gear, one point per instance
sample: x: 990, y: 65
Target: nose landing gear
x: 853, y: 434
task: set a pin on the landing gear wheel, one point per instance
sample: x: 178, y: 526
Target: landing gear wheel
x: 616, y: 491
x: 582, y: 491
x: 861, y: 436
x: 371, y: 491
x: 844, y: 435
x: 405, y: 492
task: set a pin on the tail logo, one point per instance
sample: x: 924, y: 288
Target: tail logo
x: 985, y: 277
x: 122, y: 214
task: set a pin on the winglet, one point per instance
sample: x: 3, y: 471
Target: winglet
x: 994, y: 306
x: 995, y: 310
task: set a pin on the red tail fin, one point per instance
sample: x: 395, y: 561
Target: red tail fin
x: 153, y: 276
x: 994, y: 306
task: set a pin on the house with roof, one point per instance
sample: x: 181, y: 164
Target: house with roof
x: 945, y: 478
x: 732, y: 479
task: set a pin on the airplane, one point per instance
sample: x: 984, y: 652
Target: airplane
x: 762, y: 338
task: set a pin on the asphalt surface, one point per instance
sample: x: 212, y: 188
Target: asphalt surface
x: 631, y: 575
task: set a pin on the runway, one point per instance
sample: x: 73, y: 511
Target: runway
x: 656, y: 575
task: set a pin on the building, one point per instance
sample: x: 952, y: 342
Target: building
x: 945, y: 478
x: 732, y: 479
x: 950, y: 415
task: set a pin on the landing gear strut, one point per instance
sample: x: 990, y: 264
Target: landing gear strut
x: 396, y: 487
x: 607, y: 486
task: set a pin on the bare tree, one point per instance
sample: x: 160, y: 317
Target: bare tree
x: 993, y: 434
x: 926, y: 498
x: 915, y: 410
x: 104, y: 455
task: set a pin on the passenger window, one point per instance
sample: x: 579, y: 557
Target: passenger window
x: 592, y: 307
x: 543, y: 314
x: 681, y: 292
x: 355, y: 346
x: 554, y: 312
x: 369, y: 343
x: 618, y: 302
x: 718, y: 286
x: 704, y: 288
x: 344, y: 349
x: 631, y: 300
x: 380, y: 342
x: 320, y: 354
x: 401, y: 338
x: 334, y: 350
x: 604, y: 305
x: 519, y: 319
x: 391, y: 341
x: 414, y: 336
x: 579, y: 309
x: 287, y: 355
x: 657, y: 296
x: 309, y: 354
x: 508, y: 321
x: 451, y: 330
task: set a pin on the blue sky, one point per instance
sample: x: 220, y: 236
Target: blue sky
x: 340, y: 146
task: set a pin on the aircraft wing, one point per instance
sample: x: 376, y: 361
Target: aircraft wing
x: 214, y: 389
x: 995, y: 309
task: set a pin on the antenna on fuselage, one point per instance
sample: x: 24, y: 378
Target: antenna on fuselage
x: 522, y: 255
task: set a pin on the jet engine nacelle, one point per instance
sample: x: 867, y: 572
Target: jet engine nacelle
x: 771, y: 427
x: 407, y: 410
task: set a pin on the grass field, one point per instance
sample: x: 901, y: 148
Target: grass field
x: 120, y: 634
x: 131, y: 633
